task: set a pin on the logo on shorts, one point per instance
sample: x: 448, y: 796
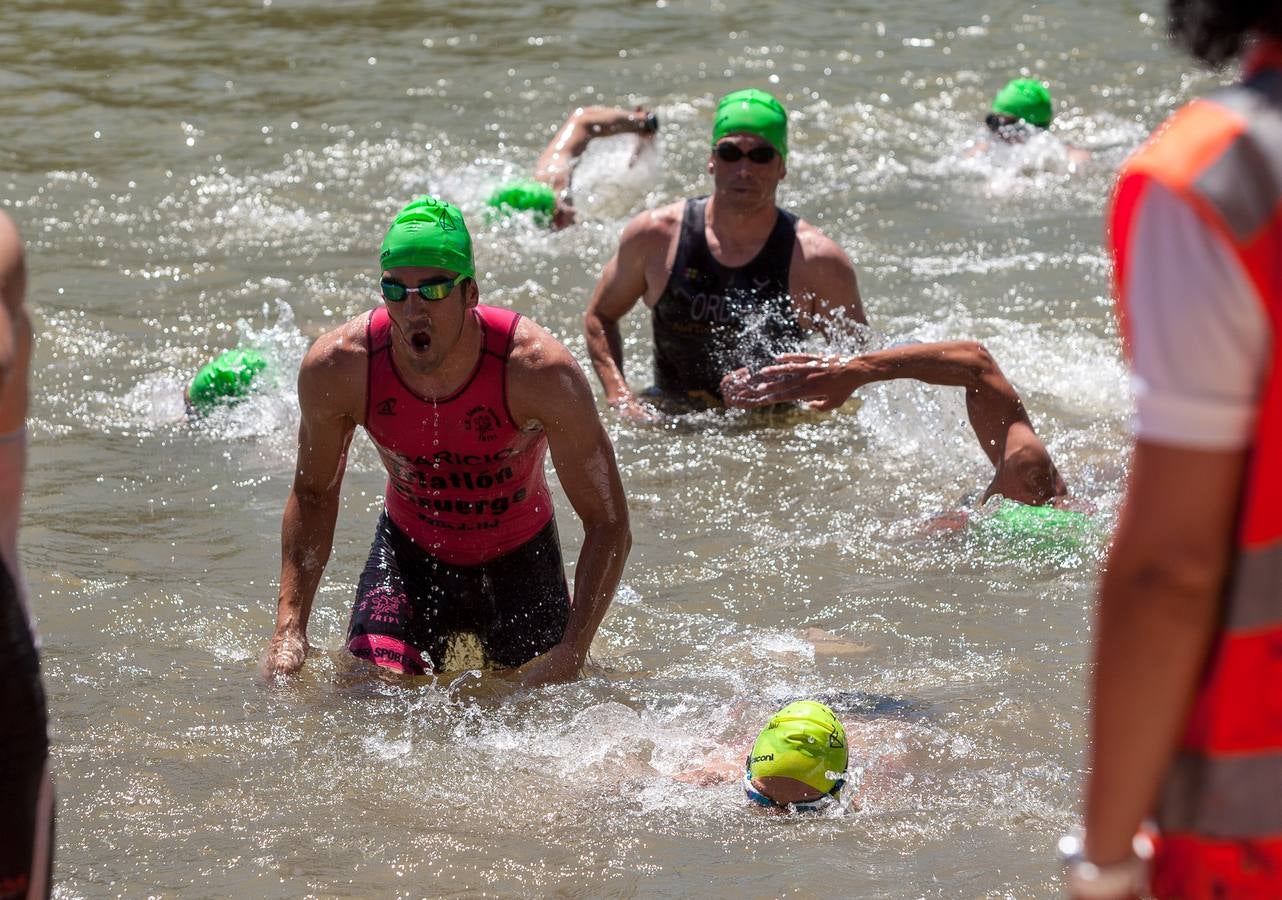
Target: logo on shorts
x: 382, y: 604
x: 482, y: 420
x: 387, y: 407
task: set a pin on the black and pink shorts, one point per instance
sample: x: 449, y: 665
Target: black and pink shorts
x: 409, y: 604
x: 26, y: 795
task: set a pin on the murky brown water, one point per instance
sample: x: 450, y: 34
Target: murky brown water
x: 188, y: 176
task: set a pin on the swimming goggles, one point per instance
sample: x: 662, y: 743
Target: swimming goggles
x: 805, y: 806
x: 439, y: 289
x: 728, y: 152
x: 1006, y: 127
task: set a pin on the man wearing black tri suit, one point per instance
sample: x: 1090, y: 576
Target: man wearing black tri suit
x: 711, y: 318
x: 731, y: 280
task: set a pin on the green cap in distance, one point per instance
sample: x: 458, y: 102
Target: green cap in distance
x: 803, y: 741
x: 430, y: 233
x: 524, y: 194
x: 752, y: 111
x: 1027, y: 99
x: 225, y: 379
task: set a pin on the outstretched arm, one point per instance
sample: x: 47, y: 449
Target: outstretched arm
x: 556, y: 162
x: 1025, y: 471
x: 557, y: 393
x: 307, y: 530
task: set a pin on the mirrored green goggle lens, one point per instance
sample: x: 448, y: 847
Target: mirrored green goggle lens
x: 395, y: 292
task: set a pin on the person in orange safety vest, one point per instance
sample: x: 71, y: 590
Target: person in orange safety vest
x: 1186, y: 706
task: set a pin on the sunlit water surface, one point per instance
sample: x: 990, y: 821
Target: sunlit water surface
x: 190, y: 177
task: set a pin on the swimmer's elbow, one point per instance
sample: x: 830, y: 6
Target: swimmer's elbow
x: 615, y: 530
x: 623, y: 542
x: 978, y: 361
x: 312, y: 497
x: 596, y: 322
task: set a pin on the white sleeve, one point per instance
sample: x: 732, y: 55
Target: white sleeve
x: 1200, y: 338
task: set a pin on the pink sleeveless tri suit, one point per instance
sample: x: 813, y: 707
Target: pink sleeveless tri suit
x: 467, y: 540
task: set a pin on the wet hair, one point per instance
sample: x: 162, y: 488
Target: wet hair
x: 1215, y: 31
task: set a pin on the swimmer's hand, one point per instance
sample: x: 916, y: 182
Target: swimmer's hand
x: 285, y: 653
x: 634, y: 410
x: 560, y: 664
x: 823, y: 382
x: 715, y: 772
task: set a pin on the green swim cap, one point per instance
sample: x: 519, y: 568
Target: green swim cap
x: 229, y: 377
x: 1027, y: 99
x: 752, y: 111
x: 428, y: 232
x: 1017, y: 522
x: 804, y: 741
x: 522, y: 195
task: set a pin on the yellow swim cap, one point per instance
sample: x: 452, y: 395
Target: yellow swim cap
x: 804, y: 741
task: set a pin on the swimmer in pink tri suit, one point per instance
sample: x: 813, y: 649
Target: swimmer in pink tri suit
x: 463, y: 401
x: 26, y: 790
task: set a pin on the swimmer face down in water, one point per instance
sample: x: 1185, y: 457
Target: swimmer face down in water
x: 797, y: 763
x: 1021, y: 109
x: 799, y: 760
x: 226, y: 379
x: 547, y: 194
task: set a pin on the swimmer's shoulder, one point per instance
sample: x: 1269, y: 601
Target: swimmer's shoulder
x: 822, y: 278
x: 652, y: 229
x: 335, y: 370
x: 342, y: 347
x: 542, y: 374
x: 815, y: 248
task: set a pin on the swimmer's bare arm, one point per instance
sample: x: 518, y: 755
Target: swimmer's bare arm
x: 331, y: 385
x: 823, y: 285
x: 15, y: 329
x: 1024, y: 470
x: 639, y: 262
x: 556, y: 162
x: 547, y: 385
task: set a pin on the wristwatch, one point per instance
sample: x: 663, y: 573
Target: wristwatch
x: 1088, y: 881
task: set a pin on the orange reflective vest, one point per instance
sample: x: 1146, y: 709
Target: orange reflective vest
x: 1220, y: 812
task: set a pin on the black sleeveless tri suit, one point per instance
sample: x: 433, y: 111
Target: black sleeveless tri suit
x: 712, y: 319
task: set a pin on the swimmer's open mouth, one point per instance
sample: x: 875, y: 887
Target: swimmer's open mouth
x: 420, y: 341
